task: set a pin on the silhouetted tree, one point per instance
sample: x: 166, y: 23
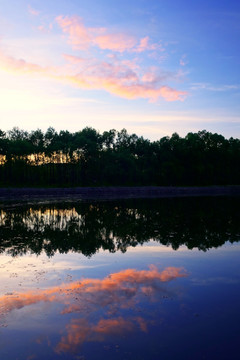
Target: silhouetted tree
x: 88, y: 158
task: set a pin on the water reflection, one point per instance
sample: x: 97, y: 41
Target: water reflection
x: 99, y: 307
x: 86, y: 228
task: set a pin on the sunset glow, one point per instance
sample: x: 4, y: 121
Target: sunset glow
x: 114, y: 66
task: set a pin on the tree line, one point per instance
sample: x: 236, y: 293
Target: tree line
x: 91, y: 158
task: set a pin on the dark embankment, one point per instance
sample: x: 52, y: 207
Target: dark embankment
x: 111, y: 193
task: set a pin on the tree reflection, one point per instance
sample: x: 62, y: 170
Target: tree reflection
x: 200, y: 223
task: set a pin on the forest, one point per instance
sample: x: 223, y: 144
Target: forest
x: 113, y: 158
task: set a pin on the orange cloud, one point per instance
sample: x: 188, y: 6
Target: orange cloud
x: 80, y: 331
x: 118, y: 289
x: 144, y: 91
x: 113, y: 326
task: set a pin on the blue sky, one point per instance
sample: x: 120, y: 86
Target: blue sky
x: 153, y: 67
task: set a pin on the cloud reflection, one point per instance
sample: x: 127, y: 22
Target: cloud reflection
x: 113, y: 295
x: 80, y: 331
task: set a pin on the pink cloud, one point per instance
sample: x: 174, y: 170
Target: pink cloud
x: 114, y: 42
x: 79, y: 35
x: 131, y: 64
x: 120, y: 80
x: 144, y: 45
x: 45, y: 29
x: 74, y: 59
x: 10, y: 63
x: 41, y: 28
x: 183, y: 60
x: 32, y: 11
x: 116, y: 77
x: 82, y: 37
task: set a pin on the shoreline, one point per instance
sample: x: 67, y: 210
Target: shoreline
x: 113, y: 193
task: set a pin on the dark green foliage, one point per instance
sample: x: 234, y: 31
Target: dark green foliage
x: 88, y: 158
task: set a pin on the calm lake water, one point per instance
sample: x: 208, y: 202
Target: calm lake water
x: 152, y: 279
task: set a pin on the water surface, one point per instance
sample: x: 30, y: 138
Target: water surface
x: 124, y: 280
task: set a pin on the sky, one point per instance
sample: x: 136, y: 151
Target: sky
x: 154, y: 67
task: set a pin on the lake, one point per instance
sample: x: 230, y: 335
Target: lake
x: 133, y: 279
